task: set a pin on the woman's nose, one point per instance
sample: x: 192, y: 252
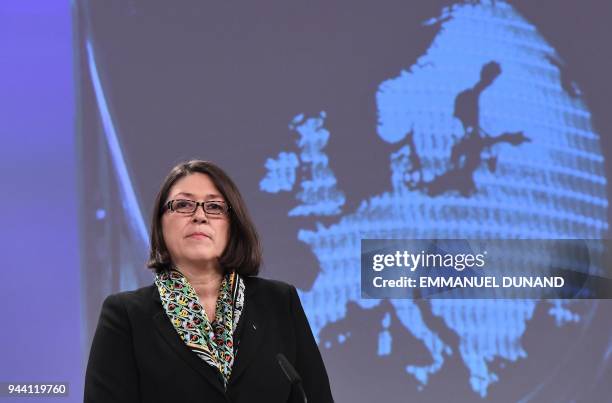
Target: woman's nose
x: 199, y: 214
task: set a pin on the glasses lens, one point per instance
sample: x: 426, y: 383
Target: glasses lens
x: 215, y: 207
x: 184, y: 206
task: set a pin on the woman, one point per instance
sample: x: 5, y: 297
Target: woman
x: 207, y: 330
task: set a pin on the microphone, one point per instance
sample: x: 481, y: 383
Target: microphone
x: 291, y: 374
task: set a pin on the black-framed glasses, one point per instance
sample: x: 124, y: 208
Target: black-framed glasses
x: 184, y: 206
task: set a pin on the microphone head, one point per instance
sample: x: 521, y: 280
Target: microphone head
x: 288, y: 369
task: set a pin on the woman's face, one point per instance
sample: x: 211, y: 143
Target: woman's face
x: 196, y: 239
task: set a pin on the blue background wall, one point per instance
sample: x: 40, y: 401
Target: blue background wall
x: 40, y: 336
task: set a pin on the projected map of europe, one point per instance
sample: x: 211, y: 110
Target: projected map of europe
x: 491, y: 141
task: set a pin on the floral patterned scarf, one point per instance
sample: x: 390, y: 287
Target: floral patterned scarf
x: 212, y: 342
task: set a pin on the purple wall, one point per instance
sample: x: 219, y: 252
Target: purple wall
x: 40, y: 289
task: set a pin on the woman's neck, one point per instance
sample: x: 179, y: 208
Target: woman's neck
x: 206, y: 281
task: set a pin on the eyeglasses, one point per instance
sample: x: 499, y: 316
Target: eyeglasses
x: 184, y: 206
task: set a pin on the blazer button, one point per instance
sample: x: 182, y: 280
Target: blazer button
x: 254, y: 326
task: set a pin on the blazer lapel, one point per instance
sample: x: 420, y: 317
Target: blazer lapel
x: 164, y: 327
x: 252, y: 333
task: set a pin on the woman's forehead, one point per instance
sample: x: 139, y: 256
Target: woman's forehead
x: 195, y: 186
x: 208, y: 196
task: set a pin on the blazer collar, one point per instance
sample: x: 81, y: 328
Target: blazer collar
x: 252, y: 330
x: 252, y: 325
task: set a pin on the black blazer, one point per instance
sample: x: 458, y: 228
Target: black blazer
x: 137, y: 355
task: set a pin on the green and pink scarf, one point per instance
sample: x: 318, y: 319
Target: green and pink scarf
x: 212, y: 342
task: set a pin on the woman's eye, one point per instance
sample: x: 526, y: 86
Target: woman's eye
x: 181, y: 204
x: 214, y: 206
